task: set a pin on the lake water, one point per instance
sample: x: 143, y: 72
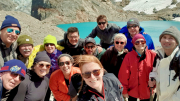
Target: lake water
x: 153, y: 28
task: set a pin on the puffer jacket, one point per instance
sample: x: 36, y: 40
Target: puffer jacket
x: 134, y: 73
x: 166, y: 87
x: 129, y: 45
x: 58, y: 85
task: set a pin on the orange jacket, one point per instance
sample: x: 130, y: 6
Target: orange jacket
x: 58, y: 85
x: 134, y: 74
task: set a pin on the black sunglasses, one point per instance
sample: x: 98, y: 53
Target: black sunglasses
x: 62, y: 63
x: 95, y: 72
x: 117, y: 42
x: 14, y: 75
x: 47, y: 44
x: 134, y: 26
x: 88, y: 47
x: 99, y: 23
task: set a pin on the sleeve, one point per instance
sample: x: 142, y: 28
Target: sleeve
x: 176, y: 95
x: 61, y: 42
x: 116, y: 28
x: 104, y: 59
x: 100, y: 54
x: 151, y: 45
x: 93, y: 33
x: 124, y: 74
x: 53, y: 84
x: 19, y: 92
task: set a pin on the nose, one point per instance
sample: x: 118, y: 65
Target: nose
x: 17, y: 78
x: 92, y: 76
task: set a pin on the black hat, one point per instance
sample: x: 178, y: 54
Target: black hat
x: 90, y: 40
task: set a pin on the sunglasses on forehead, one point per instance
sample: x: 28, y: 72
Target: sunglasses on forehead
x: 134, y: 26
x: 47, y: 44
x: 99, y: 23
x: 117, y: 42
x: 66, y: 62
x: 10, y: 30
x: 95, y: 72
x: 141, y: 41
x: 41, y: 65
x: 14, y: 75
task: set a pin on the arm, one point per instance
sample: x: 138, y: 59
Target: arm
x: 53, y: 84
x: 61, y: 42
x: 93, y: 33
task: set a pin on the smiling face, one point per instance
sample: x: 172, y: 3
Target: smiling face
x: 119, y: 44
x: 9, y: 37
x: 9, y: 82
x: 133, y: 29
x: 168, y: 42
x: 26, y: 49
x: 50, y: 48
x: 102, y: 24
x: 42, y: 68
x: 95, y: 82
x: 65, y: 65
x: 73, y: 38
x: 90, y: 48
x: 140, y: 46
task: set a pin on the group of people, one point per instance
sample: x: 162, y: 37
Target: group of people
x: 123, y: 66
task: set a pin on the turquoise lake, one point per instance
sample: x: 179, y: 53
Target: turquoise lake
x: 153, y: 28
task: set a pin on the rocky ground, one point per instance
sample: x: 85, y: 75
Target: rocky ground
x: 33, y: 27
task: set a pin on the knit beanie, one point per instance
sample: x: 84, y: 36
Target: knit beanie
x: 10, y: 21
x: 24, y: 39
x: 173, y: 31
x: 133, y: 21
x: 42, y: 56
x: 15, y: 66
x: 137, y: 36
x: 50, y: 39
x: 67, y: 55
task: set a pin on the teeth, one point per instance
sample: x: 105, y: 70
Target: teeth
x: 42, y: 70
x: 93, y: 81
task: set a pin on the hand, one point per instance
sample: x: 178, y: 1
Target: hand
x: 126, y: 95
x: 110, y: 47
x: 152, y: 83
x: 100, y: 49
x: 126, y: 51
x: 144, y: 33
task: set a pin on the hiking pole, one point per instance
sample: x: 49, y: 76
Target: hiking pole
x: 151, y: 96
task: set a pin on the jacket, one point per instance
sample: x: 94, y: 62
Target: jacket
x: 167, y: 89
x: 37, y: 49
x: 7, y: 54
x: 112, y: 90
x: 69, y: 48
x: 32, y: 88
x: 58, y: 85
x: 134, y: 73
x: 1, y: 88
x: 106, y: 35
x: 129, y: 45
x: 111, y: 61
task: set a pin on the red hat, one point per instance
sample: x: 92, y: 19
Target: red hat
x: 137, y: 36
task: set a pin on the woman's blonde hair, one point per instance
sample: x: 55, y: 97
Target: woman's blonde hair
x: 120, y: 36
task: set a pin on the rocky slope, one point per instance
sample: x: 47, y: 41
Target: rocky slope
x: 33, y: 27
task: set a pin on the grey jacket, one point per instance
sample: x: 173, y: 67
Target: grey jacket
x: 7, y: 54
x: 106, y: 35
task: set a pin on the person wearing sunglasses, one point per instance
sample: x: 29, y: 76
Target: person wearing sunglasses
x: 91, y: 48
x: 24, y: 49
x: 9, y: 32
x: 99, y: 85
x: 60, y: 79
x: 104, y: 31
x: 131, y: 29
x: 135, y: 69
x: 35, y: 85
x: 11, y: 74
x: 113, y: 57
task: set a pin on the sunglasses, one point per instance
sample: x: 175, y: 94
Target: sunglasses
x: 122, y: 43
x: 141, y: 41
x: 88, y: 47
x: 41, y: 65
x: 95, y: 72
x: 14, y: 75
x: 10, y: 30
x: 47, y: 44
x: 62, y: 63
x: 99, y: 23
x: 134, y: 26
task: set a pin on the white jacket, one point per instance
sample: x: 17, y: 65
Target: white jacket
x: 165, y: 86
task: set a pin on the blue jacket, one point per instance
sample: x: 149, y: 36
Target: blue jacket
x: 129, y: 44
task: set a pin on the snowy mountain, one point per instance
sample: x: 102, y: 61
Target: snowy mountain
x: 148, y: 6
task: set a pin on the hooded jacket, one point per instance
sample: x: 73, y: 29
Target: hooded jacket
x: 166, y: 87
x: 106, y: 36
x: 129, y: 45
x: 69, y: 48
x: 134, y: 73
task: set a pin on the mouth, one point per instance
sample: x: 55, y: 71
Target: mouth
x: 42, y: 71
x: 93, y: 81
x: 65, y: 69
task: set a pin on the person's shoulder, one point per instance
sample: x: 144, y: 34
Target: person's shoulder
x: 146, y: 36
x: 111, y: 78
x: 55, y: 73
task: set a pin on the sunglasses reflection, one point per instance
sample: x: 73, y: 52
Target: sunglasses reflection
x: 95, y: 72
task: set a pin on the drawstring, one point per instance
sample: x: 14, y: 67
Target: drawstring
x: 169, y: 78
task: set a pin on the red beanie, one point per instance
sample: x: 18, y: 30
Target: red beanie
x: 137, y: 36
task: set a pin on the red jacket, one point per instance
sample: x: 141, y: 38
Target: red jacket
x: 58, y: 85
x: 134, y: 74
